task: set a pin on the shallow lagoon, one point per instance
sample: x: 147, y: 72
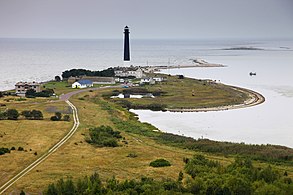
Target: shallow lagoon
x: 270, y: 122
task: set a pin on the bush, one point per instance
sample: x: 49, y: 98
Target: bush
x: 3, y: 115
x: 20, y: 148
x: 54, y: 118
x: 104, y: 136
x: 4, y: 150
x: 1, y: 94
x: 12, y: 114
x: 132, y: 155
x: 66, y: 117
x: 57, y: 117
x: 12, y: 148
x: 32, y: 115
x: 160, y: 163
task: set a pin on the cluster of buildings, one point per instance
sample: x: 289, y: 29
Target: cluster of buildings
x: 122, y: 75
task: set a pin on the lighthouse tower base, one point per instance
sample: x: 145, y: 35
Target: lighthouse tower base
x: 126, y: 63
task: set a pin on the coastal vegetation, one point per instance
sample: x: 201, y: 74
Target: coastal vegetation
x: 103, y: 136
x: 177, y: 93
x: 202, y: 176
x: 268, y: 153
x: 31, y: 93
x: 139, y: 144
x: 83, y: 72
x: 160, y: 163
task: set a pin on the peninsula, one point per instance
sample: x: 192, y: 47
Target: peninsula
x: 46, y: 149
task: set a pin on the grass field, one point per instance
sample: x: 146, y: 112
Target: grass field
x: 35, y: 136
x: 77, y: 158
x: 190, y: 93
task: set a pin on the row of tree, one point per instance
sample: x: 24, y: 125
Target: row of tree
x: 13, y: 114
x: 83, y: 72
x: 31, y: 93
x: 207, y: 177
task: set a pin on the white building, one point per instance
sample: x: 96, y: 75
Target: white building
x: 82, y: 84
x: 148, y: 80
x: 128, y: 72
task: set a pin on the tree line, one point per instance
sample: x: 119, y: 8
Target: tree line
x: 200, y: 176
x: 31, y: 93
x: 13, y: 114
x: 83, y: 72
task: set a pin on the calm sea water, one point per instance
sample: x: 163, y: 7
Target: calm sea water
x: 271, y: 122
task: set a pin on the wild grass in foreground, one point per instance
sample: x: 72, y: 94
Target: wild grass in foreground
x: 202, y: 176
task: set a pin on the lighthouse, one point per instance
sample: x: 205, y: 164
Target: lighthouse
x: 126, y: 44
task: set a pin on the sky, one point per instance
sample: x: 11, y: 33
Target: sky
x: 147, y: 19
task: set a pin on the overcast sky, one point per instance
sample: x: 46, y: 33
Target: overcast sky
x: 178, y: 19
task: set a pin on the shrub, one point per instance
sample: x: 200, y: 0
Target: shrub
x: 66, y: 117
x: 57, y: 117
x: 4, y: 150
x: 37, y: 114
x: 12, y: 148
x: 20, y: 148
x: 160, y: 163
x: 104, y: 136
x: 132, y: 155
x: 1, y: 94
x: 32, y: 115
x: 3, y: 115
x: 54, y: 118
x: 12, y: 114
x: 30, y: 93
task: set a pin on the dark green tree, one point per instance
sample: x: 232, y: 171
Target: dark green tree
x: 27, y: 114
x: 66, y: 117
x: 22, y: 192
x: 30, y: 93
x: 3, y: 115
x: 12, y: 114
x: 51, y: 190
x: 37, y: 114
x: 57, y: 78
x: 58, y: 115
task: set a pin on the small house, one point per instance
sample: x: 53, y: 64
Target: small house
x: 150, y: 81
x: 99, y: 80
x: 82, y: 84
x: 158, y: 79
x: 22, y: 87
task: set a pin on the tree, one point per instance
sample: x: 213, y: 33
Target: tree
x: 12, y: 114
x: 30, y: 93
x: 3, y: 115
x: 1, y: 94
x: 57, y: 78
x: 58, y: 115
x: 66, y: 117
x: 37, y: 115
x: 22, y: 192
x: 27, y: 114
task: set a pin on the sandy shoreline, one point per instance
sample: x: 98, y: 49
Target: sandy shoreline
x: 254, y: 99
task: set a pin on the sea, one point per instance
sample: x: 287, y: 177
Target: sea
x: 271, y: 60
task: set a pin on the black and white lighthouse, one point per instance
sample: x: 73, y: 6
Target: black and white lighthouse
x: 126, y: 44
